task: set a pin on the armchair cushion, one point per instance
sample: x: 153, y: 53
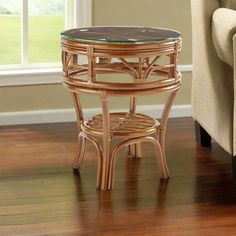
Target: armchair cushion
x: 223, y: 29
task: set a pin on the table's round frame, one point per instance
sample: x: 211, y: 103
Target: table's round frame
x: 101, y: 60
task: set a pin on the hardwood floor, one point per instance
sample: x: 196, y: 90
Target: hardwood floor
x: 40, y: 195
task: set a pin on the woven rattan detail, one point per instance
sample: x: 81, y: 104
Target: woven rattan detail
x: 122, y: 124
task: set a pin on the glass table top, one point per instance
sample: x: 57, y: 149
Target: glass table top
x: 121, y: 35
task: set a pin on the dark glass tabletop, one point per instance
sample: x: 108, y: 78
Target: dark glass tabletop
x: 134, y: 35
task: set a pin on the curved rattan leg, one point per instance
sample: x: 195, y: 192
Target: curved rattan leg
x: 81, y: 159
x: 106, y: 143
x: 162, y: 164
x: 164, y: 118
x: 162, y: 138
x: 99, y: 150
x: 82, y: 139
x: 79, y: 156
x: 161, y: 160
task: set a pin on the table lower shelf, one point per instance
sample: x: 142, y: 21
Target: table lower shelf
x: 122, y: 124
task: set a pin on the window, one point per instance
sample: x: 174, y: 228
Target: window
x: 30, y: 31
x: 10, y: 33
x: 46, y: 19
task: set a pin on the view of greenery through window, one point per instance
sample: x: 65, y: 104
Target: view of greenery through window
x: 46, y: 21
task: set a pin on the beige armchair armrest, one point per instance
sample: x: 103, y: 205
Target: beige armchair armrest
x: 223, y: 29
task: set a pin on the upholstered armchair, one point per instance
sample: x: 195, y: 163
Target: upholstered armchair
x: 214, y: 77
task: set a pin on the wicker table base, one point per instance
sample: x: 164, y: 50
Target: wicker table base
x: 138, y: 127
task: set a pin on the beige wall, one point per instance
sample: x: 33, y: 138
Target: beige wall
x: 159, y: 13
x: 173, y: 14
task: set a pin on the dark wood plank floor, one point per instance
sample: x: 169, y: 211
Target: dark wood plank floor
x: 40, y: 195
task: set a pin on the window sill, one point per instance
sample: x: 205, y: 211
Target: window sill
x: 30, y: 77
x: 44, y: 76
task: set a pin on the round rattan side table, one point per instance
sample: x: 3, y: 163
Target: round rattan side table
x: 149, y: 56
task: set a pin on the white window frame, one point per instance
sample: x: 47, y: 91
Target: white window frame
x: 78, y: 13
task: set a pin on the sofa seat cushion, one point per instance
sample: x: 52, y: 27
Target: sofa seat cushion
x: 223, y: 29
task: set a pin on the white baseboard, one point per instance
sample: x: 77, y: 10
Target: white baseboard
x: 68, y: 115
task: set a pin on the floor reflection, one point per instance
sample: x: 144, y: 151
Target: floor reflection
x: 214, y: 183
x: 131, y: 190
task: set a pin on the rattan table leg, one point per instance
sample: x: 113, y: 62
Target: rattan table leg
x: 134, y: 150
x: 80, y: 151
x: 161, y: 159
x: 161, y: 162
x: 106, y: 143
x: 164, y: 118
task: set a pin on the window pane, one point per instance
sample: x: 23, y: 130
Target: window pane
x: 46, y: 21
x: 10, y: 34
